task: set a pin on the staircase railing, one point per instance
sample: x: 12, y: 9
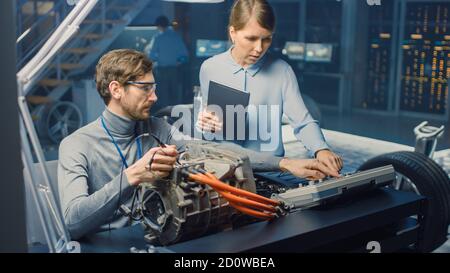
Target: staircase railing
x: 52, y: 220
x: 31, y: 38
x: 104, y: 12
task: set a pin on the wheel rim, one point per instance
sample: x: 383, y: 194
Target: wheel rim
x: 63, y: 119
x: 403, y: 183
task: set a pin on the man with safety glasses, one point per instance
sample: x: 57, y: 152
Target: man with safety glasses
x: 101, y: 164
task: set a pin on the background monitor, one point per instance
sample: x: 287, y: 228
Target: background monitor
x: 319, y: 52
x: 136, y: 37
x: 294, y: 50
x: 208, y: 48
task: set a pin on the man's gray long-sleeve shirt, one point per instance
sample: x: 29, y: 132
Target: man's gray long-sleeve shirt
x: 90, y: 179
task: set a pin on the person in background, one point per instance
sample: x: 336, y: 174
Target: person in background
x: 168, y: 52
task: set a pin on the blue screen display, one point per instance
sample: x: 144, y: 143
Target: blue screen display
x: 319, y: 52
x: 135, y: 37
x: 294, y: 50
x: 208, y: 48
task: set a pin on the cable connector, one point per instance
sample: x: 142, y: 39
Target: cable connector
x: 125, y: 210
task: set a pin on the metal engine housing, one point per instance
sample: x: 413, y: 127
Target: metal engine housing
x: 175, y: 209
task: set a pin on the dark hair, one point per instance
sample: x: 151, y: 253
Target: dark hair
x: 162, y: 21
x: 243, y: 10
x: 120, y: 65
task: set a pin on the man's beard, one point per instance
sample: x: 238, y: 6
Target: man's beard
x: 135, y: 114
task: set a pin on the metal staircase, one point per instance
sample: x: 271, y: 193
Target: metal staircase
x: 36, y: 21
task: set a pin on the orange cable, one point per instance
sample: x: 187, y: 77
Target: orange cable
x: 243, y: 201
x: 258, y: 214
x: 247, y: 193
x: 225, y: 187
x: 237, y: 201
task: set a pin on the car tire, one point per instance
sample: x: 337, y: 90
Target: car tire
x: 431, y: 181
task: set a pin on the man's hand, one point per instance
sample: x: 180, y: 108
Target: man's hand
x: 330, y: 159
x: 208, y: 122
x: 311, y: 169
x: 161, y: 165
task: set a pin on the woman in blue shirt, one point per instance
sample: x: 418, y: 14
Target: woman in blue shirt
x: 271, y: 83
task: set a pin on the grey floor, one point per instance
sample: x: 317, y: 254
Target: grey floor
x: 359, y: 137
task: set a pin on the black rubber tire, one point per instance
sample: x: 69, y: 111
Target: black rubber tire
x: 432, y: 182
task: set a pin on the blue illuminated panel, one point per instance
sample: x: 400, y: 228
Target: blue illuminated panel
x: 319, y: 52
x: 294, y: 50
x: 208, y: 48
